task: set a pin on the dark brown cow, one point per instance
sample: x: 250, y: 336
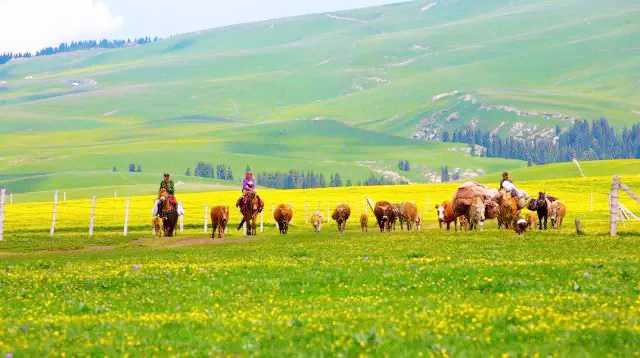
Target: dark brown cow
x: 385, y: 215
x: 283, y: 215
x: 219, y: 220
x: 341, y: 215
x: 446, y: 215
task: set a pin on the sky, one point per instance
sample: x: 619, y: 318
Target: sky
x: 29, y: 25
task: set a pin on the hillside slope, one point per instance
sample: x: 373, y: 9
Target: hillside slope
x: 409, y: 70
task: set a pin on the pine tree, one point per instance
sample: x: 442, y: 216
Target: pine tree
x: 187, y: 173
x: 114, y: 169
x: 132, y: 168
x: 139, y: 169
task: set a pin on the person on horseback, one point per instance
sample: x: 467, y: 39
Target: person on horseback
x: 507, y: 184
x: 167, y: 184
x: 248, y: 186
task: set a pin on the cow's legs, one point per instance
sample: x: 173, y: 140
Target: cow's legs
x: 213, y: 231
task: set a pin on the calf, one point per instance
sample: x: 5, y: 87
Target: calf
x: 446, y: 215
x: 158, y: 226
x: 532, y: 220
x: 476, y: 213
x: 316, y: 220
x: 364, y: 222
x: 283, y: 215
x: 341, y: 215
x: 464, y: 223
x: 219, y: 220
x: 557, y: 211
x: 520, y: 225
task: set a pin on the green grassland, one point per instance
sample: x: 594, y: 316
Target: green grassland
x: 247, y: 94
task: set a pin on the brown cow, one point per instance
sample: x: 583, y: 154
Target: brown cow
x: 364, y: 222
x: 557, y: 211
x: 509, y: 210
x: 316, y: 220
x: 385, y: 215
x: 341, y: 215
x: 158, y: 226
x: 219, y: 220
x: 476, y: 213
x: 532, y: 220
x: 419, y: 223
x: 407, y: 213
x: 446, y: 215
x: 283, y: 215
x: 464, y: 223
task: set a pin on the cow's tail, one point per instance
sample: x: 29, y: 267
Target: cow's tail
x: 370, y: 202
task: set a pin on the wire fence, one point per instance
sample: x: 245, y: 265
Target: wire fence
x: 133, y: 215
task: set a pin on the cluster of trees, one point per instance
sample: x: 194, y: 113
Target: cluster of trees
x: 133, y: 169
x: 375, y: 180
x: 78, y: 45
x: 207, y: 170
x: 582, y: 140
x: 404, y: 165
x: 446, y: 176
x: 295, y: 179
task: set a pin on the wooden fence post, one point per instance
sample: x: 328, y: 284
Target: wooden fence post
x: 2, y: 196
x: 181, y: 224
x: 64, y: 196
x: 126, y: 216
x: 11, y: 198
x: 54, y: 211
x: 206, y: 217
x: 92, y: 215
x: 262, y: 221
x: 613, y: 206
x: 115, y: 194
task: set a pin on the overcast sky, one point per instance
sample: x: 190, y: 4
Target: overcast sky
x: 29, y: 25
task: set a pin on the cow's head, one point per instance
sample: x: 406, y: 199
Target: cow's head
x: 440, y: 209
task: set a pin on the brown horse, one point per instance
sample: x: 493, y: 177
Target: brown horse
x: 219, y: 220
x: 168, y: 212
x: 250, y: 213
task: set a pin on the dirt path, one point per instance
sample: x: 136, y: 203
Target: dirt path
x: 143, y: 242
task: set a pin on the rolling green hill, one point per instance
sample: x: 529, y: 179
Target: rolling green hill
x: 329, y: 92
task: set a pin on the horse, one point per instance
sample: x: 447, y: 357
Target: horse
x: 541, y: 206
x: 341, y: 215
x: 219, y: 220
x: 168, y: 210
x: 283, y: 215
x: 250, y: 212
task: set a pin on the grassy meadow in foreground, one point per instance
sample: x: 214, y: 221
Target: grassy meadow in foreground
x: 398, y: 294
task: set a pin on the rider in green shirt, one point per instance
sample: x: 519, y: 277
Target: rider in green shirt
x: 167, y: 183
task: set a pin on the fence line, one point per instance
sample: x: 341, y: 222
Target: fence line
x: 2, y: 196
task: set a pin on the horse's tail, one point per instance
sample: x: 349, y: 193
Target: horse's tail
x: 241, y: 223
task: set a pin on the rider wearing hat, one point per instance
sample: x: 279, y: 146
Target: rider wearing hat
x: 167, y: 184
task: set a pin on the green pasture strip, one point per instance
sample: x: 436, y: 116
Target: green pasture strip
x: 399, y: 294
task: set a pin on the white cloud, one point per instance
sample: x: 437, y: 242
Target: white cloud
x: 29, y: 25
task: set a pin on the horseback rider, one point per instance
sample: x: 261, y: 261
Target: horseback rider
x: 167, y: 184
x: 507, y: 184
x: 248, y: 186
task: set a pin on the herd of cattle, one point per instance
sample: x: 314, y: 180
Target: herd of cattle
x: 471, y: 206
